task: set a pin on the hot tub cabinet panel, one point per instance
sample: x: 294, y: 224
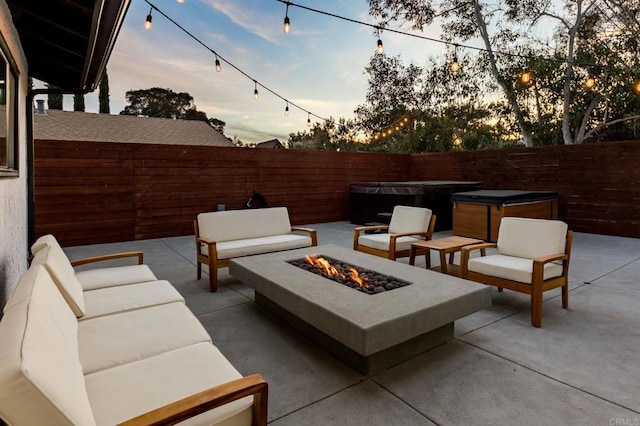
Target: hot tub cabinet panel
x: 477, y: 214
x: 368, y: 199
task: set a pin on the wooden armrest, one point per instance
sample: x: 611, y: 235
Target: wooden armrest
x: 550, y: 258
x: 205, y: 241
x: 481, y: 246
x: 112, y: 256
x: 411, y: 234
x: 209, y: 399
x: 312, y: 233
x: 372, y: 228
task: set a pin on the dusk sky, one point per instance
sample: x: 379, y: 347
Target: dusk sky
x: 319, y: 65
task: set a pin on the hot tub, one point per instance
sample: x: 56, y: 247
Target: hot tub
x: 368, y: 199
x: 477, y: 214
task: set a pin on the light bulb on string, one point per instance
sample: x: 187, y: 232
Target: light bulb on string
x: 454, y: 66
x: 286, y: 109
x: 525, y: 77
x: 218, y: 67
x: 636, y: 87
x: 590, y: 82
x: 255, y: 90
x: 180, y: 1
x: 379, y: 46
x: 287, y: 22
x: 147, y: 22
x: 308, y: 119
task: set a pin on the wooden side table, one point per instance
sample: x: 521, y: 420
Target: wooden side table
x: 449, y: 245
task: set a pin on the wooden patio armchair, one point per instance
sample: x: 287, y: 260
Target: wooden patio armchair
x: 408, y: 225
x: 532, y: 257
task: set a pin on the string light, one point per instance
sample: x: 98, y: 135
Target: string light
x: 525, y: 77
x: 180, y: 1
x: 590, y: 82
x: 454, y: 66
x: 147, y: 22
x: 286, y: 109
x: 396, y: 126
x: 255, y: 90
x: 380, y: 46
x: 218, y: 67
x: 636, y: 87
x: 308, y: 119
x: 287, y: 22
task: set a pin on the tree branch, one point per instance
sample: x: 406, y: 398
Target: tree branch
x: 602, y: 126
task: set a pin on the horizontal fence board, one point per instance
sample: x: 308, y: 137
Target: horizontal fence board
x: 94, y: 192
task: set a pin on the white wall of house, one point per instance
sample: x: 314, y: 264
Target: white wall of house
x: 13, y: 191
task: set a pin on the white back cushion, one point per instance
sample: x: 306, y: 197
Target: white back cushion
x: 409, y: 219
x: 531, y: 238
x: 241, y: 224
x: 44, y: 241
x: 41, y: 380
x: 60, y: 269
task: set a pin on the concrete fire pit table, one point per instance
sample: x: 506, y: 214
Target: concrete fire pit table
x: 370, y: 333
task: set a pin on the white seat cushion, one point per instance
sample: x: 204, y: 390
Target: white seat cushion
x: 60, y: 269
x: 511, y: 268
x: 232, y: 225
x: 92, y: 279
x: 126, y: 391
x: 41, y: 380
x: 246, y: 247
x: 407, y: 219
x: 111, y: 300
x: 111, y: 340
x: 531, y: 238
x: 381, y: 241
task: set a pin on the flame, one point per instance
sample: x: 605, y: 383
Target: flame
x: 331, y: 270
x: 356, y: 278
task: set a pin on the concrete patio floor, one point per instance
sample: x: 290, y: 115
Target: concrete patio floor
x: 580, y: 368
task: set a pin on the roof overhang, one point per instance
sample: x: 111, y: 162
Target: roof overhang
x: 67, y: 43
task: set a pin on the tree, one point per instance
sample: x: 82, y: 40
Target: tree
x: 78, y: 102
x: 103, y: 94
x: 157, y: 102
x: 217, y: 124
x: 513, y: 27
x: 54, y: 100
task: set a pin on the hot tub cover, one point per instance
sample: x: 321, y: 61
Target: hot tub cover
x: 503, y: 196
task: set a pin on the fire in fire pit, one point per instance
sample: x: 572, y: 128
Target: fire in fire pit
x: 365, y: 280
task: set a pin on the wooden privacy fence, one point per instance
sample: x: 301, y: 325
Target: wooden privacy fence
x: 94, y: 192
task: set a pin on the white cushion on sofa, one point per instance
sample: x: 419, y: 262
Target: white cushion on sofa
x: 60, y: 269
x: 406, y: 219
x: 242, y: 224
x: 511, y: 268
x: 112, y: 340
x: 110, y: 300
x: 531, y: 238
x: 41, y: 380
x: 47, y: 240
x: 381, y: 241
x: 129, y: 390
x: 92, y: 279
x: 246, y: 247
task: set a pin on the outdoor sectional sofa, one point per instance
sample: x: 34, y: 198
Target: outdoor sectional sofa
x: 223, y: 235
x: 99, y: 348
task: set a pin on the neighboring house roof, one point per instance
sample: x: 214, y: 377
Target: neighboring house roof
x: 273, y: 143
x: 91, y: 127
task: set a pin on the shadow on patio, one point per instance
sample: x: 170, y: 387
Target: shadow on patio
x: 580, y: 368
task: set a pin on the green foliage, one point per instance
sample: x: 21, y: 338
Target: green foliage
x: 165, y: 103
x: 103, y: 95
x: 78, y: 102
x: 54, y: 100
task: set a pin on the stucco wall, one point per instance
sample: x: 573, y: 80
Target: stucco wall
x: 13, y: 191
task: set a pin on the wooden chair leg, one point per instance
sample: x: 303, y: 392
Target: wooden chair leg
x: 427, y: 259
x: 565, y: 296
x: 199, y: 269
x: 213, y: 277
x: 500, y: 289
x: 536, y: 306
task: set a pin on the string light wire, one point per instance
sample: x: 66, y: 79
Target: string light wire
x: 222, y: 58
